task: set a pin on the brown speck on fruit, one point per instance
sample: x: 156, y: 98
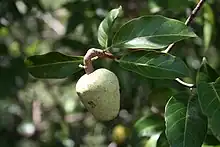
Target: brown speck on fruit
x: 92, y: 104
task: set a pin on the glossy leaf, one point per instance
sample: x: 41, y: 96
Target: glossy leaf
x: 186, y: 126
x: 206, y: 73
x: 151, y: 32
x: 53, y: 65
x: 155, y: 65
x: 149, y: 125
x: 106, y: 25
x: 209, y: 98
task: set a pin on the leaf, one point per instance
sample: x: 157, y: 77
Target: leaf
x: 149, y: 125
x: 151, y: 32
x: 106, y: 25
x: 152, y: 142
x: 209, y: 21
x: 77, y: 16
x: 162, y: 140
x: 159, y: 97
x: 211, y: 139
x: 206, y: 73
x: 155, y: 65
x: 53, y: 65
x: 209, y: 98
x: 186, y: 126
x: 204, y: 145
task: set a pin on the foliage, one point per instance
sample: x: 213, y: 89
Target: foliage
x: 42, y: 47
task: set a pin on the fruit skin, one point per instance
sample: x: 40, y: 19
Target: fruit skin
x: 99, y: 92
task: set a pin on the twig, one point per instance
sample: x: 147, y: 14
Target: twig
x: 188, y: 21
x: 184, y: 83
x: 94, y: 53
x: 36, y: 113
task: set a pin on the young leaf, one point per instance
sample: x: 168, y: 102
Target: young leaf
x: 106, y: 25
x: 151, y: 32
x: 209, y: 21
x: 209, y: 98
x: 186, y: 126
x: 155, y: 65
x: 53, y: 65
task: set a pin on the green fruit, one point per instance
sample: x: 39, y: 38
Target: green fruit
x: 120, y: 134
x: 99, y: 92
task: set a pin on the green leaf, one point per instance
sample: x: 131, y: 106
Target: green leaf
x: 206, y: 73
x: 159, y: 97
x: 53, y: 65
x: 106, y: 25
x: 162, y: 141
x: 204, y: 145
x: 149, y: 125
x: 209, y: 98
x: 186, y: 126
x: 155, y: 65
x: 151, y: 32
x: 152, y: 142
x: 209, y: 21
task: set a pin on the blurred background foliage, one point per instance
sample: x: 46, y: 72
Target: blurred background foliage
x: 31, y: 27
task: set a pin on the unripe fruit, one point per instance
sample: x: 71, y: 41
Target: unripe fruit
x: 120, y: 134
x: 99, y: 92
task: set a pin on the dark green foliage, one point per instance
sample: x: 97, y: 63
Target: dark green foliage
x: 48, y: 39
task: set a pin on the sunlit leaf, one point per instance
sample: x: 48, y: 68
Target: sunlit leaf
x: 155, y: 65
x: 106, y: 25
x: 151, y: 32
x: 209, y: 98
x: 208, y: 27
x: 186, y: 126
x: 152, y: 142
x: 162, y: 140
x: 53, y: 65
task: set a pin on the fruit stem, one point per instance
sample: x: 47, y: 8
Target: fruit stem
x: 91, y: 53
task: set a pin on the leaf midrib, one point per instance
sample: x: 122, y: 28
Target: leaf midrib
x: 150, y: 36
x: 56, y: 63
x: 216, y: 93
x: 151, y: 66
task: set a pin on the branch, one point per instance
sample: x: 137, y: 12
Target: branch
x: 36, y: 113
x: 188, y: 21
x: 94, y: 53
